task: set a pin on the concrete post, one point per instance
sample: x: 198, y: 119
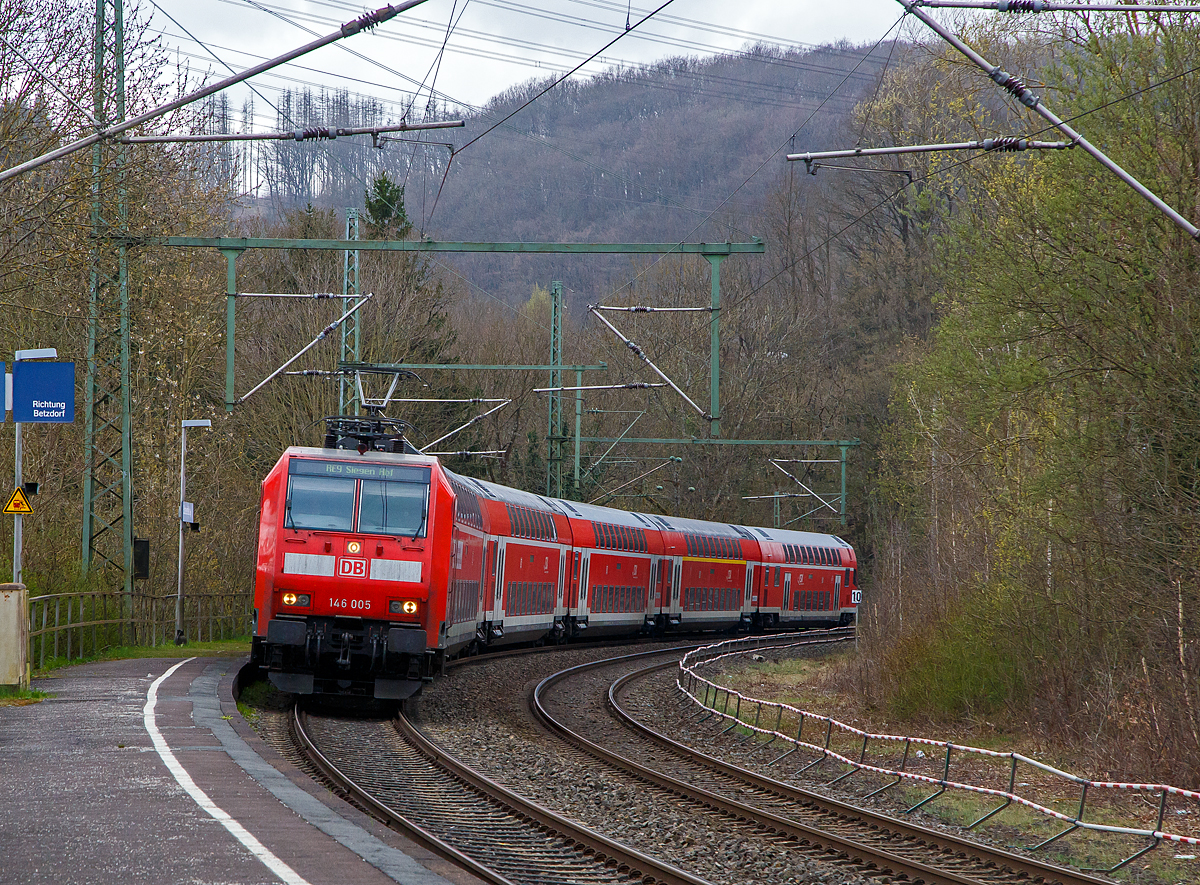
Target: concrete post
x: 14, y: 635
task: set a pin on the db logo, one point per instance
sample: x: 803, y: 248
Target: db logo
x: 352, y: 568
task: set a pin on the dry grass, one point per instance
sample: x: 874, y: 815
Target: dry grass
x: 819, y: 685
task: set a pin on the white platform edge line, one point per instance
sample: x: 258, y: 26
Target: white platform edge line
x: 256, y: 848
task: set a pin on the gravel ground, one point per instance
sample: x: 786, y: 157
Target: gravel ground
x: 480, y: 713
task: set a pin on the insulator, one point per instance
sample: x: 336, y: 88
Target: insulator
x: 368, y: 20
x: 1015, y: 85
x: 314, y: 132
x: 1007, y: 143
x: 1022, y: 6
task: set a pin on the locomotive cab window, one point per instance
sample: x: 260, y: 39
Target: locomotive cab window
x: 320, y: 502
x: 393, y: 508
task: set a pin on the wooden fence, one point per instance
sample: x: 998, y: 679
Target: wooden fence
x: 84, y: 623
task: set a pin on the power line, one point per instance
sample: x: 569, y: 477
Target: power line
x: 951, y: 167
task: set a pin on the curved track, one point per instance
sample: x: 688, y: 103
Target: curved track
x: 862, y: 841
x: 389, y: 768
x: 403, y: 777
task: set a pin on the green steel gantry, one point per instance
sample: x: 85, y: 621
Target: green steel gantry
x: 107, y: 535
x: 554, y: 430
x: 232, y: 247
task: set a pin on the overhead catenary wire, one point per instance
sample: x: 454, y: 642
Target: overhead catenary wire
x: 529, y: 136
x: 1050, y: 6
x: 913, y: 180
x: 540, y: 93
x: 538, y: 139
x: 640, y: 354
x: 364, y: 22
x: 1000, y: 145
x: 591, y: 23
x: 321, y: 337
x: 772, y: 155
x: 1023, y: 94
x: 310, y: 133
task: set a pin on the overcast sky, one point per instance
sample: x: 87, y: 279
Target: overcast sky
x: 492, y: 44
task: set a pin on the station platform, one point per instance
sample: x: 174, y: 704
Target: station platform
x: 144, y: 771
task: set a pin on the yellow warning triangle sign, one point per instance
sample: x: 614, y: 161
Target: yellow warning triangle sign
x: 18, y: 503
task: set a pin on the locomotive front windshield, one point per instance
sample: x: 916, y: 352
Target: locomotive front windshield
x: 346, y: 497
x: 392, y: 508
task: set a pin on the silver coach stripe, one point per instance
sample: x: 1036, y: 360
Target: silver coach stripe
x: 309, y: 564
x: 395, y: 570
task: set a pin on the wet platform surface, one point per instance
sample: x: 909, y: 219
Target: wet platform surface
x: 144, y: 771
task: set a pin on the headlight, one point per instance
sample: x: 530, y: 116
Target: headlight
x: 301, y: 600
x: 404, y: 607
x: 353, y: 547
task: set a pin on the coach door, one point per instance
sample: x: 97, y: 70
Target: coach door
x: 498, y: 597
x: 583, y: 584
x: 675, y: 564
x: 748, y: 602
x: 836, y: 602
x: 787, y: 592
x: 564, y: 573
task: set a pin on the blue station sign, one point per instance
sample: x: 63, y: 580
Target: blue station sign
x: 43, y: 392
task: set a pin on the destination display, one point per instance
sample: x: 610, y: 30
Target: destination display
x: 350, y: 470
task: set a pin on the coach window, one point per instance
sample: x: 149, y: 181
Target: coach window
x: 393, y: 508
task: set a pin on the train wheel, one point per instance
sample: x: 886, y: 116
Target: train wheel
x: 410, y: 707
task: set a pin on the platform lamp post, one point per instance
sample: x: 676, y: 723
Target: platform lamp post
x: 185, y: 518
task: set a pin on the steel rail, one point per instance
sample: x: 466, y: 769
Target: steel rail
x: 855, y: 852
x: 605, y: 852
x: 1034, y: 869
x: 649, y: 870
x: 384, y: 812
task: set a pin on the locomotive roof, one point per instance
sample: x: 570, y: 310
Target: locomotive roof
x: 352, y: 455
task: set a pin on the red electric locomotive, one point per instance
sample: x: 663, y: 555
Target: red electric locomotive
x: 375, y: 563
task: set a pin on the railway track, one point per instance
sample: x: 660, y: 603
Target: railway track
x: 662, y: 798
x: 839, y: 833
x: 390, y: 769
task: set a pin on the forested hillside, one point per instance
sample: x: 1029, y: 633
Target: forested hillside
x: 668, y: 153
